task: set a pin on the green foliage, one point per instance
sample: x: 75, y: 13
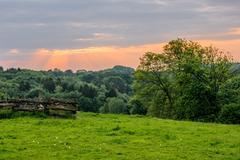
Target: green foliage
x: 89, y: 89
x: 136, y: 107
x: 230, y: 113
x: 49, y: 84
x: 116, y: 83
x: 24, y: 86
x: 230, y: 91
x: 111, y: 93
x: 117, y: 137
x: 199, y: 73
x: 2, y: 96
x: 183, y: 82
x: 114, y: 105
x: 36, y: 93
x: 88, y: 104
x: 229, y: 96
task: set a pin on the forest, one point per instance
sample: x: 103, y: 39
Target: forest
x: 186, y: 81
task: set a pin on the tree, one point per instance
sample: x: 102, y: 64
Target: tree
x: 87, y: 90
x: 115, y: 82
x: 229, y: 92
x: 68, y: 84
x: 49, y: 84
x: 111, y: 93
x: 36, y: 93
x: 136, y: 107
x: 199, y: 72
x: 24, y: 86
x: 230, y: 113
x: 114, y: 105
x: 89, y: 77
x: 152, y: 79
x: 184, y: 80
x: 229, y: 96
x: 88, y: 104
x: 2, y: 96
x: 69, y: 72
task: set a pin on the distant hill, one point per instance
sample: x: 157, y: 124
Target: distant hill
x: 121, y: 69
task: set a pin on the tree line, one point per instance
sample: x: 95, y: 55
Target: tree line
x: 185, y: 82
x: 103, y: 91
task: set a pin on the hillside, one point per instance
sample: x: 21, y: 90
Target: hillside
x: 99, y: 136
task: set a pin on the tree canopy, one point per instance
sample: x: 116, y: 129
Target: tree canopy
x: 184, y: 81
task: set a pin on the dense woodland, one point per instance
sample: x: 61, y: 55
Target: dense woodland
x: 93, y: 91
x: 185, y: 82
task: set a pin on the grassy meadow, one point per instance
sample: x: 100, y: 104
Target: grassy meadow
x: 105, y: 136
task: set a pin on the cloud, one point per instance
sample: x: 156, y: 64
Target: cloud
x: 206, y: 8
x: 32, y: 24
x: 234, y: 31
x: 100, y: 36
x: 96, y: 25
x: 14, y: 51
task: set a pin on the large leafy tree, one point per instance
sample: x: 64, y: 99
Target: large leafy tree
x: 183, y: 81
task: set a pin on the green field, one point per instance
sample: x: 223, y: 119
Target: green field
x: 98, y: 136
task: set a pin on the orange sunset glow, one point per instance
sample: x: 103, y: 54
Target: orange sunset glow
x: 97, y: 58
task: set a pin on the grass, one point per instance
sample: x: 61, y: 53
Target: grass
x: 115, y: 137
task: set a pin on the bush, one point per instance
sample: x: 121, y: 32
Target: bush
x: 230, y: 114
x: 88, y: 104
x: 136, y: 107
x: 36, y: 93
x: 114, y: 105
x: 2, y: 96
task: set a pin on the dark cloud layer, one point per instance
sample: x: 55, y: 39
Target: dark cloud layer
x: 32, y: 24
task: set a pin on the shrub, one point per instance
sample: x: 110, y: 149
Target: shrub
x: 114, y: 105
x: 2, y: 95
x: 230, y: 114
x: 136, y: 107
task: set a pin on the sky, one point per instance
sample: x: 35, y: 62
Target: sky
x: 98, y: 34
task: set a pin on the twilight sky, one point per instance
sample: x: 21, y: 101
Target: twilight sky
x: 97, y: 34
